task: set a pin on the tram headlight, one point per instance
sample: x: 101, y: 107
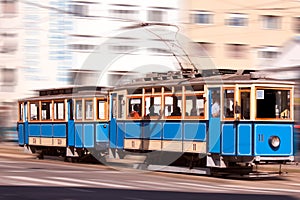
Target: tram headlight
x: 274, y: 142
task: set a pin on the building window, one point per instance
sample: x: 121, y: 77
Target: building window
x: 81, y: 46
x: 236, y: 19
x: 297, y: 24
x: 79, y: 10
x: 271, y: 22
x: 9, y: 46
x: 268, y: 52
x: 236, y: 50
x: 125, y: 14
x: 202, y: 17
x: 9, y: 6
x: 206, y: 48
x: 156, y: 15
x: 8, y: 76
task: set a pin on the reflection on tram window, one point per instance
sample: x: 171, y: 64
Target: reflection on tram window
x: 88, y: 109
x: 34, y: 111
x: 59, y: 111
x: 273, y: 103
x: 78, y: 107
x: 46, y: 110
x: 194, y: 105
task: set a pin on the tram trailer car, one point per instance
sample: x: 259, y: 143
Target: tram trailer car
x: 172, y: 120
x: 65, y: 121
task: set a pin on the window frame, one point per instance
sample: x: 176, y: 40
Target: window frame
x: 164, y: 106
x: 159, y: 115
x: 266, y: 24
x: 195, y: 17
x: 75, y: 109
x: 85, y: 109
x: 224, y: 103
x: 38, y: 111
x: 21, y: 114
x: 128, y: 97
x: 106, y: 109
x: 51, y: 110
x: 204, y: 105
x: 291, y: 111
x: 64, y: 111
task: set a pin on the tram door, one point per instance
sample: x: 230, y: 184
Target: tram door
x: 113, y: 121
x: 214, y: 129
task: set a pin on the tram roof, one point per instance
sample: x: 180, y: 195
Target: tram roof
x: 249, y: 78
x: 69, y: 92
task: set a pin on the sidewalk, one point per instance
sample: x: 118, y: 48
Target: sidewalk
x: 13, y: 150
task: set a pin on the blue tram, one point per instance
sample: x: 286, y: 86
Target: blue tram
x: 229, y: 121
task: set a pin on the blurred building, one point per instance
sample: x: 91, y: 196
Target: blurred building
x: 241, y: 35
x: 99, y: 31
x: 9, y: 64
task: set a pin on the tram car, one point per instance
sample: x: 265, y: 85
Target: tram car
x: 222, y: 122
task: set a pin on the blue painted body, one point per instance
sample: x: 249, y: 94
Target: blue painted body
x: 228, y: 139
x: 172, y: 131
x: 102, y: 132
x: 244, y: 139
x: 262, y: 133
x: 152, y: 130
x: 46, y: 130
x: 78, y: 135
x: 21, y: 134
x: 163, y: 130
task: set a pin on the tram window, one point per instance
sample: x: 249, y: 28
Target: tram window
x: 245, y: 105
x: 78, y: 107
x: 194, y: 88
x: 173, y: 106
x: 135, y: 91
x: 178, y: 89
x: 157, y: 90
x: 46, y: 110
x: 88, y: 109
x: 34, y: 111
x: 152, y: 106
x: 59, y: 110
x: 134, y: 107
x: 148, y: 90
x: 273, y: 103
x: 228, y: 103
x: 101, y: 109
x: 121, y: 108
x: 21, y: 112
x: 167, y: 89
x: 194, y: 105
